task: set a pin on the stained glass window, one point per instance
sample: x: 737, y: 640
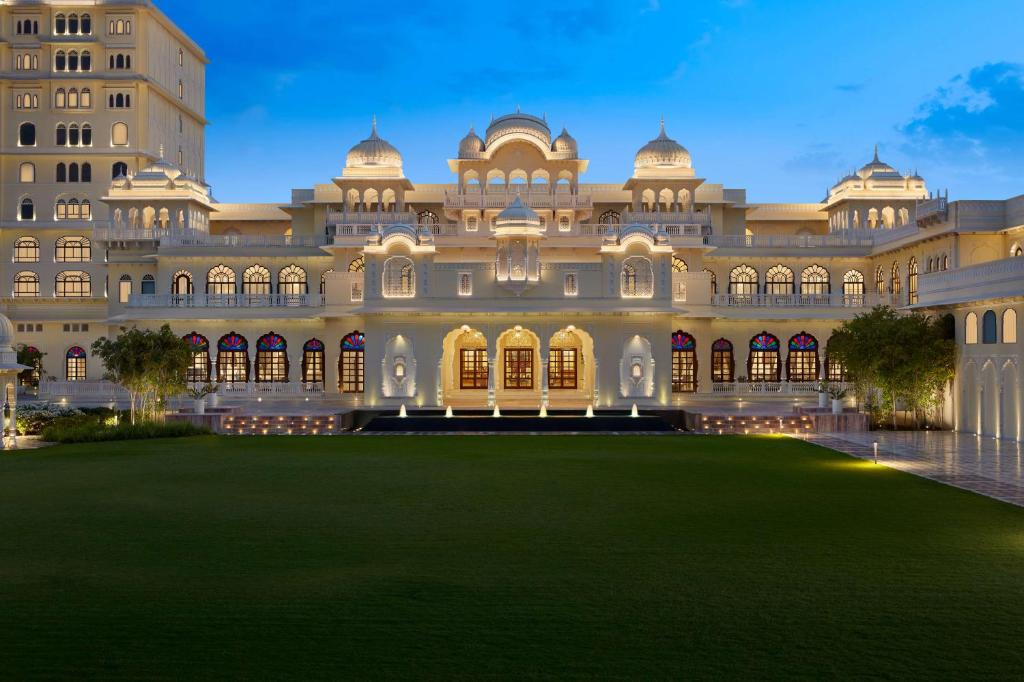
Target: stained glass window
x: 684, y: 363
x: 722, y: 362
x: 232, y: 359
x: 351, y: 368
x: 802, y: 363
x: 271, y: 358
x: 763, y: 362
x: 199, y: 369
x: 74, y: 364
x: 313, y: 362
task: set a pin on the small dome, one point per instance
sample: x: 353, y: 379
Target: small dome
x: 160, y: 169
x: 521, y: 124
x: 374, y: 152
x: 6, y: 334
x: 517, y: 213
x: 565, y: 143
x: 877, y: 168
x: 663, y: 152
x: 471, y: 145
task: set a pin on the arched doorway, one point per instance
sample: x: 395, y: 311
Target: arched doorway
x: 465, y: 368
x: 1009, y: 422
x: 571, y: 369
x: 969, y: 399
x: 518, y: 381
x: 989, y: 400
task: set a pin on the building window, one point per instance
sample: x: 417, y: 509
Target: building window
x: 26, y: 250
x: 148, y: 285
x: 971, y: 329
x: 814, y: 281
x: 473, y: 368
x: 181, y: 57
x: 518, y: 369
x: 313, y: 362
x: 571, y: 286
x: 563, y: 364
x: 714, y: 280
x: 895, y: 281
x: 271, y: 359
x: 763, y: 362
x: 74, y: 364
x: 472, y: 224
x: 989, y: 328
x: 564, y: 224
x: 73, y: 250
x: 912, y: 281
x: 181, y: 283
x: 722, y: 363
x: 220, y: 281
x: 26, y: 27
x: 779, y: 281
x: 181, y: 90
x: 743, y: 283
x: 465, y: 284
x: 637, y: 278
x: 60, y: 25
x: 291, y: 281
x: 256, y: 281
x: 27, y: 210
x: 27, y: 135
x: 352, y: 370
x: 399, y: 278
x: 684, y: 363
x: 610, y: 218
x: 124, y: 289
x: 119, y: 101
x: 357, y: 264
x: 198, y: 371
x: 880, y: 281
x: 802, y: 363
x: 26, y: 285
x: 679, y: 265
x: 428, y: 219
x: 119, y: 170
x: 1010, y: 326
x: 73, y: 284
x: 119, y: 135
x: 853, y: 289
x: 232, y: 359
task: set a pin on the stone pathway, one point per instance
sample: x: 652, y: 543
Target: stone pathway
x: 990, y: 467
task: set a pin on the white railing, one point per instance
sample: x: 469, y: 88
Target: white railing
x: 883, y: 236
x: 355, y: 229
x: 485, y: 200
x: 125, y: 234
x: 203, y: 240
x: 370, y: 218
x: 995, y: 279
x: 93, y: 390
x: 794, y: 300
x: 766, y: 388
x: 789, y: 241
x: 932, y: 209
x: 973, y: 274
x: 225, y: 301
x: 674, y: 219
x: 286, y: 389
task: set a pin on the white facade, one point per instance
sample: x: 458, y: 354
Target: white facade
x: 516, y: 284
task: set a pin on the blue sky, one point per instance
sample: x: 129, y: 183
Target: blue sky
x: 779, y: 97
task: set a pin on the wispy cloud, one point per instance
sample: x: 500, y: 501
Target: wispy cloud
x: 850, y: 87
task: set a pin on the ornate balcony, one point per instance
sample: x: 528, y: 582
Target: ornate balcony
x: 995, y: 279
x: 794, y: 300
x: 677, y: 219
x: 932, y: 211
x: 225, y: 301
x: 491, y: 200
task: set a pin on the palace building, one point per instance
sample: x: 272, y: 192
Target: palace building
x: 514, y: 284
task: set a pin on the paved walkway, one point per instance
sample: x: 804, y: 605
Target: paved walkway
x: 990, y: 467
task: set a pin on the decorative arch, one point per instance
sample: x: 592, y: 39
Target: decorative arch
x: 75, y: 360
x: 637, y: 277
x: 220, y: 281
x: 971, y: 329
x: 351, y: 363
x: 779, y: 280
x: 256, y: 281
x: 763, y: 362
x: 399, y: 278
x: 802, y: 363
x: 271, y: 359
x: 357, y: 264
x: 181, y: 283
x: 684, y: 362
x: 989, y: 328
x: 198, y: 371
x: 1009, y: 326
x: 313, y: 352
x: 232, y: 359
x: 399, y: 368
x: 291, y: 281
x: 743, y: 282
x: 679, y: 265
x: 723, y: 362
x: 815, y: 281
x: 636, y: 368
x: 853, y: 288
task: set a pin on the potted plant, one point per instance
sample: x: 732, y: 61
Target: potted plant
x: 213, y: 398
x: 823, y: 394
x: 198, y: 395
x: 837, y: 393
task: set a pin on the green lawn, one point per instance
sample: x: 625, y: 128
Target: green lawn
x: 511, y: 557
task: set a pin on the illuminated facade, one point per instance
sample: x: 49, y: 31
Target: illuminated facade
x: 515, y: 284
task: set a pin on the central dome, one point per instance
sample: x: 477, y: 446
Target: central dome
x: 374, y: 152
x: 519, y: 124
x: 878, y: 168
x: 517, y: 213
x: 663, y: 152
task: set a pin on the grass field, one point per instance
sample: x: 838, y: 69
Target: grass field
x: 511, y: 557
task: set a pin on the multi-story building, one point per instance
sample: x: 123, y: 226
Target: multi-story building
x: 516, y: 284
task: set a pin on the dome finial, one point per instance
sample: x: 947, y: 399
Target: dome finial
x: 161, y: 151
x: 518, y: 109
x: 373, y: 127
x: 876, y: 154
x: 663, y: 134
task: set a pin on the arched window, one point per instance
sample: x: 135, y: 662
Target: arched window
x: 73, y: 284
x: 73, y: 23
x: 989, y: 328
x: 743, y: 282
x: 60, y: 61
x: 1010, y: 326
x: 26, y: 250
x: 313, y: 362
x: 350, y: 366
x: 763, y: 362
x: 199, y: 369
x: 853, y: 289
x: 27, y: 135
x: 427, y: 219
x: 358, y: 264
x: 684, y: 363
x: 74, y: 364
x: 610, y: 218
x: 62, y: 135
x: 73, y: 175
x: 779, y: 281
x: 86, y: 172
x: 232, y: 359
x: 399, y: 278
x: 802, y: 362
x: 26, y: 285
x: 60, y: 99
x: 256, y: 281
x: 714, y: 280
x: 181, y: 283
x: 1017, y: 252
x: 60, y: 24
x: 564, y: 224
x: 62, y: 172
x: 26, y: 210
x: 637, y: 278
x: 271, y: 359
x: 124, y: 289
x: 895, y: 282
x: 912, y: 281
x: 119, y: 170
x: 148, y: 285
x: 86, y: 24
x: 86, y: 65
x: 73, y: 250
x: 291, y: 281
x: 814, y: 281
x: 679, y: 265
x: 86, y: 98
x: 971, y: 329
x: 723, y: 365
x: 220, y: 281
x: 73, y: 60
x: 74, y: 138
x: 119, y: 135
x: 880, y: 281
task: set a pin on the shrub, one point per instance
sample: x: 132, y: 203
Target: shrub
x: 77, y: 431
x: 33, y: 418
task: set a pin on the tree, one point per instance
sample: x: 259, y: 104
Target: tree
x: 30, y: 357
x: 905, y: 360
x: 150, y: 365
